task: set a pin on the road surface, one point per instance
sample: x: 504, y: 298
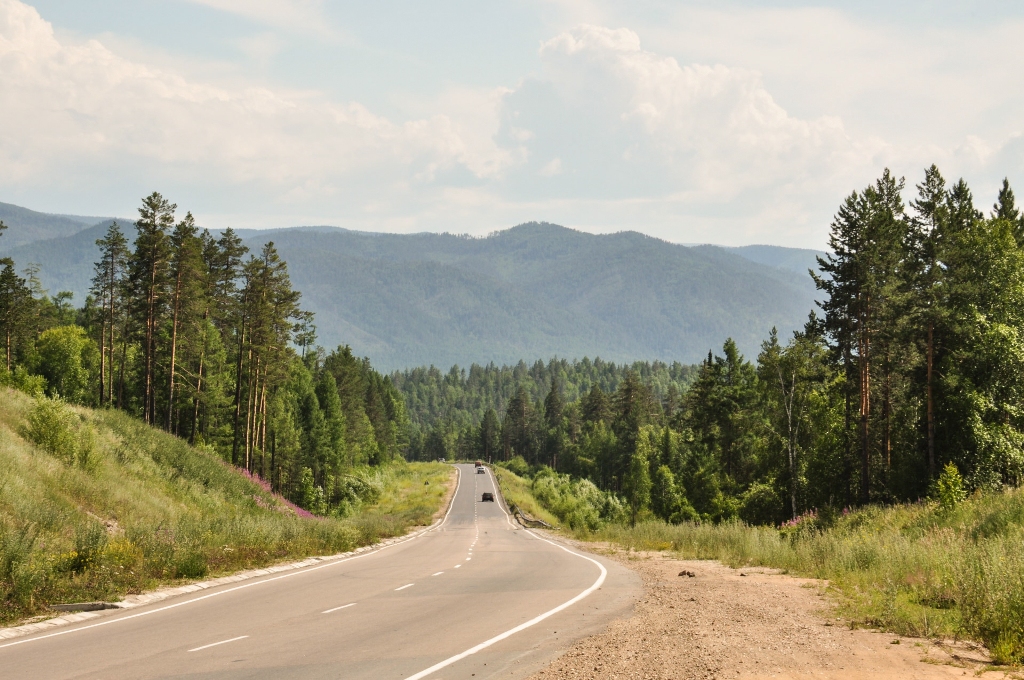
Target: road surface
x: 474, y: 597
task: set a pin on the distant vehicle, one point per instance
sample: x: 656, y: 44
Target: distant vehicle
x: 481, y: 471
x: 479, y: 464
x: 488, y: 496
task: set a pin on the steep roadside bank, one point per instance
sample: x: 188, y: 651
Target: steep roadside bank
x: 104, y: 506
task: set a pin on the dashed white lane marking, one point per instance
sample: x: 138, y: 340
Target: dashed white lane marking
x: 468, y: 559
x: 407, y: 585
x: 297, y: 572
x: 222, y: 642
x: 350, y: 604
x: 437, y: 573
x: 457, y: 566
x: 509, y: 633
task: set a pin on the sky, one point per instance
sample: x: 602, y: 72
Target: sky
x: 710, y: 122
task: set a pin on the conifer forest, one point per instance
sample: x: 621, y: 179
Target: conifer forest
x: 913, y: 363
x: 194, y: 335
x: 911, y: 367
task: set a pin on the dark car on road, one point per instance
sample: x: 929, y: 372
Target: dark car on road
x: 488, y: 496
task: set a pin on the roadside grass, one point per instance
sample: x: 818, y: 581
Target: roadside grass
x: 917, y: 569
x: 413, y: 493
x: 95, y: 505
x: 517, y: 491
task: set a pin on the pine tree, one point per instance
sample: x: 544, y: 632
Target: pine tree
x: 15, y: 309
x: 490, y: 436
x: 147, y: 280
x: 1005, y: 208
x: 187, y: 278
x: 107, y: 286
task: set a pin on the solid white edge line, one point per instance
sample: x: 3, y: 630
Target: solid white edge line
x: 523, y: 626
x: 344, y: 606
x: 246, y: 585
x: 222, y: 642
x: 407, y: 585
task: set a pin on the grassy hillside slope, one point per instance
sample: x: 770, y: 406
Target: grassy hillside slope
x: 107, y: 506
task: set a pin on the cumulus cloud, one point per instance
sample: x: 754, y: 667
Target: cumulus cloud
x: 632, y: 122
x: 607, y: 135
x: 80, y: 104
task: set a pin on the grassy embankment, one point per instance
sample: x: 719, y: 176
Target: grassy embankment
x: 918, y: 569
x: 95, y: 505
x: 516, y: 491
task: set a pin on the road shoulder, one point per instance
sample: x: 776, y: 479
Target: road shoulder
x: 747, y: 623
x: 38, y: 624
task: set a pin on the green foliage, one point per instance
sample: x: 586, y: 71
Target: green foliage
x: 144, y: 507
x: 52, y: 427
x: 949, y: 487
x: 65, y: 359
x: 184, y: 331
x: 636, y: 485
x: 518, y: 492
x: 578, y: 504
x: 20, y: 379
x: 517, y: 465
x: 454, y: 404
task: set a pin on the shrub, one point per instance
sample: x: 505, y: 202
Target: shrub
x: 66, y: 355
x: 576, y: 503
x: 950, y: 487
x: 51, y: 427
x: 517, y: 466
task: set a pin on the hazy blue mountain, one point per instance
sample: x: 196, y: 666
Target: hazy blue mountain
x: 798, y: 260
x: 27, y: 226
x: 536, y: 290
x: 65, y: 263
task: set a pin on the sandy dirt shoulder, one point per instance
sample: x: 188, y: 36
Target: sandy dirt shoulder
x: 748, y: 623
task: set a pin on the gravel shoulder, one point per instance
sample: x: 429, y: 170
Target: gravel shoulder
x: 748, y: 623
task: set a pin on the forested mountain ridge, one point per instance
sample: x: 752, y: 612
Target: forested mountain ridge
x: 797, y: 260
x: 536, y: 290
x: 64, y: 263
x: 27, y: 226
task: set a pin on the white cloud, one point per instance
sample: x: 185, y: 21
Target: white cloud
x: 65, y: 107
x: 608, y: 134
x: 552, y: 168
x: 302, y: 16
x: 671, y: 142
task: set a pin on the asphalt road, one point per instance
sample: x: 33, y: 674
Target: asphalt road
x: 476, y: 596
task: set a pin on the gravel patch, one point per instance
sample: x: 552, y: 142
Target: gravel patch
x: 702, y: 620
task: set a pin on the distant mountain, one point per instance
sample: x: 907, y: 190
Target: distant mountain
x: 64, y: 263
x: 27, y: 226
x: 535, y: 290
x: 798, y: 260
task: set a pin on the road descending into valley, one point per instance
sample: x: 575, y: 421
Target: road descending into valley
x: 474, y: 596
